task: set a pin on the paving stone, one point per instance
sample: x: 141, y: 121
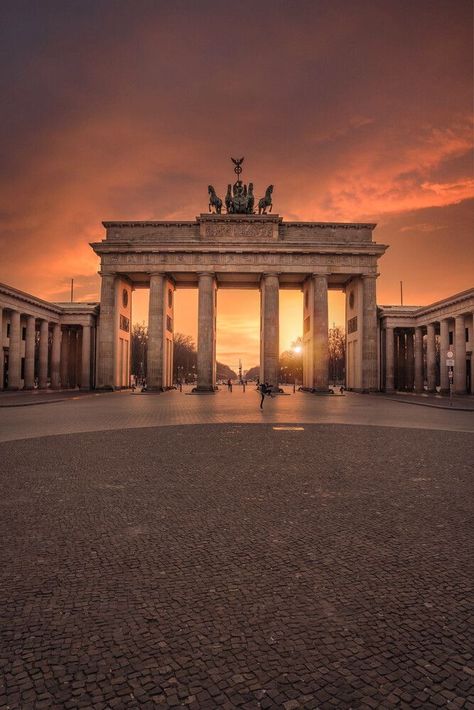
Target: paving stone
x: 236, y: 566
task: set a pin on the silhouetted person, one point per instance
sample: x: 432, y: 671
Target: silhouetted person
x: 264, y: 389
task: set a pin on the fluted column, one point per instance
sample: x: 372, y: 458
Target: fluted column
x: 14, y: 352
x: 72, y: 359
x: 2, y: 332
x: 369, y: 334
x: 86, y: 358
x: 431, y: 357
x: 206, y: 355
x: 106, y: 351
x: 401, y: 360
x: 270, y: 328
x: 43, y: 355
x: 155, y: 332
x: 64, y: 365
x: 29, y: 381
x: 419, y: 380
x: 410, y: 360
x: 389, y: 359
x: 443, y: 351
x: 460, y: 355
x: 56, y: 357
x: 320, y: 334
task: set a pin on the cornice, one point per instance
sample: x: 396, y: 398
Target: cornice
x: 231, y: 218
x: 28, y: 298
x: 126, y: 247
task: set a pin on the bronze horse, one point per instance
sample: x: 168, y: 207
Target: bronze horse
x: 266, y: 201
x: 214, y: 201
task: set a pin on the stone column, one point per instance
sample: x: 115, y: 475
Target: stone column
x: 410, y: 360
x: 401, y: 360
x: 56, y: 357
x: 320, y: 334
x: 86, y: 358
x: 29, y: 382
x: 369, y: 334
x: 72, y: 358
x: 1, y: 349
x: 270, y: 329
x: 443, y: 351
x: 64, y: 366
x: 43, y: 355
x: 206, y: 355
x: 14, y: 352
x: 389, y: 359
x: 155, y: 332
x: 460, y: 355
x: 419, y: 380
x: 431, y: 357
x: 105, y: 373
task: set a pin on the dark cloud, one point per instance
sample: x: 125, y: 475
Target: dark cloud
x: 116, y: 109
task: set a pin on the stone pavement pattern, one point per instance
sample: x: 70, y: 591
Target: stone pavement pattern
x: 237, y: 566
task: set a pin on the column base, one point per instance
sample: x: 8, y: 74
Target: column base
x: 444, y: 391
x: 28, y: 388
x: 12, y: 388
x: 200, y: 389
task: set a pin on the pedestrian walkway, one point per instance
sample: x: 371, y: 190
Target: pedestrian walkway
x: 463, y: 403
x: 122, y: 410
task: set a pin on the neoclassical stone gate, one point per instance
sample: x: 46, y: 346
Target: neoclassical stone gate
x: 238, y: 251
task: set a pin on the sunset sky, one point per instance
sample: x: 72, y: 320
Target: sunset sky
x: 354, y: 110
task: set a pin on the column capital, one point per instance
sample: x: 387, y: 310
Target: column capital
x: 206, y: 273
x: 369, y: 276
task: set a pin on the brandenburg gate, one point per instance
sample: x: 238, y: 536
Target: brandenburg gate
x: 240, y: 250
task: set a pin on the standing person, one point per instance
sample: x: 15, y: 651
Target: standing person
x: 229, y: 385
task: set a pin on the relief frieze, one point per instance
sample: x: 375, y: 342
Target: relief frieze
x: 238, y: 231
x: 211, y: 259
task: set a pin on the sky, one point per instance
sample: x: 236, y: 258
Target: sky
x: 117, y: 109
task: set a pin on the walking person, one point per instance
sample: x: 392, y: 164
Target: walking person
x: 229, y: 385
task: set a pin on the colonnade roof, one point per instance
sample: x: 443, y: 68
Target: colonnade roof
x: 461, y: 303
x: 16, y: 300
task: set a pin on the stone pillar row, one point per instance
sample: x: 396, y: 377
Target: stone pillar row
x: 58, y: 367
x: 410, y: 354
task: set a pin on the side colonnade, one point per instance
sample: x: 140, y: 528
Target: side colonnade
x: 45, y: 345
x: 415, y: 347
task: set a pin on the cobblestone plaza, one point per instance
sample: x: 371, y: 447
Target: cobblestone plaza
x: 313, y: 555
